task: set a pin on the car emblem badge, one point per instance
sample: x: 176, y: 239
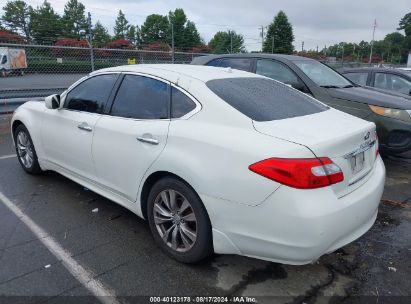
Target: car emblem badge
x: 367, y: 136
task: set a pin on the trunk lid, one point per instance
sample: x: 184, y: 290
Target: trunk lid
x: 348, y: 141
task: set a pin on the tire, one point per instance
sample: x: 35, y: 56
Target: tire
x: 185, y: 219
x: 25, y: 150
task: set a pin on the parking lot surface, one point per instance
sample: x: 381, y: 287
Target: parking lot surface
x: 112, y: 250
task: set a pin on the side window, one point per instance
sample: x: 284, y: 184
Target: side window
x: 358, y: 78
x: 4, y: 59
x: 141, y: 98
x: 277, y: 71
x: 215, y: 62
x: 392, y: 82
x: 92, y: 94
x: 401, y: 84
x: 243, y: 64
x: 181, y: 104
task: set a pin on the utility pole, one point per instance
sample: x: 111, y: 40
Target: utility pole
x: 172, y: 43
x: 325, y: 50
x: 262, y: 37
x: 342, y: 55
x: 302, y: 46
x: 372, y: 41
x: 231, y: 42
x: 272, y: 44
x: 317, y: 49
x: 90, y: 40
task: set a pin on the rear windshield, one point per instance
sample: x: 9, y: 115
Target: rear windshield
x: 264, y: 99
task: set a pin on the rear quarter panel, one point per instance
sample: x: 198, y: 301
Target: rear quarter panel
x: 213, y: 149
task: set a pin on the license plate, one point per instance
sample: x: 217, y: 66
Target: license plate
x: 357, y: 162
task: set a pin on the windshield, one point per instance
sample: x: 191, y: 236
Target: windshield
x: 322, y: 75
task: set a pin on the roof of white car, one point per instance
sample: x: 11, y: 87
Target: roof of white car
x: 202, y: 73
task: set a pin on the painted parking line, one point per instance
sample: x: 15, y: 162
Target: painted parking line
x: 8, y: 156
x: 85, y: 277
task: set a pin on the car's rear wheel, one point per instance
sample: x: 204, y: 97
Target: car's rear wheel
x: 178, y: 221
x: 25, y: 150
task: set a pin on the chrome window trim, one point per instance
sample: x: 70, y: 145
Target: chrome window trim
x: 93, y: 74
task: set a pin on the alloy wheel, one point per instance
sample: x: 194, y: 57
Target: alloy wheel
x: 175, y: 220
x: 24, y: 149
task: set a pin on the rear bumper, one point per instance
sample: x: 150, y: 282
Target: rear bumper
x: 296, y: 226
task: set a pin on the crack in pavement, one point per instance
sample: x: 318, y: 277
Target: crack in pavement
x: 272, y: 271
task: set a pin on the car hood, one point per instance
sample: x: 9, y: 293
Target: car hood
x: 363, y: 95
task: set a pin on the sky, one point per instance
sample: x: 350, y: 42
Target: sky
x: 315, y: 22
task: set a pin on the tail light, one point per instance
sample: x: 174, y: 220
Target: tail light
x: 302, y: 173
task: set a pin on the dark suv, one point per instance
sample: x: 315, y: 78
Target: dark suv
x: 391, y: 114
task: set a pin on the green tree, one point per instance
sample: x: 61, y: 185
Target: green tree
x: 46, y: 25
x: 100, y: 35
x: 16, y: 17
x: 186, y: 35
x: 178, y: 20
x: 121, y: 26
x: 74, y: 19
x: 132, y: 34
x: 227, y: 42
x: 364, y: 48
x: 405, y: 22
x: 394, y: 38
x: 282, y: 32
x: 155, y: 28
x: 192, y: 36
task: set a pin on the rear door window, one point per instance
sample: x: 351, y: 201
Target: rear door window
x: 392, y: 82
x: 358, y: 78
x: 141, y: 97
x: 215, y: 63
x: 276, y: 70
x: 243, y: 64
x: 264, y: 99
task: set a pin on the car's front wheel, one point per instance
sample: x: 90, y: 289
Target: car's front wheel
x: 25, y: 150
x: 179, y: 221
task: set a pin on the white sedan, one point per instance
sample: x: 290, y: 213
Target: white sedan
x: 217, y: 160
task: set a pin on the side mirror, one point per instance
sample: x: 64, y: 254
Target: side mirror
x: 409, y: 93
x: 52, y: 101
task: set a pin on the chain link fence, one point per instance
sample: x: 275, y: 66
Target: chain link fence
x: 51, y: 69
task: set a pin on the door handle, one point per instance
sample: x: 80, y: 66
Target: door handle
x: 148, y: 140
x: 84, y: 126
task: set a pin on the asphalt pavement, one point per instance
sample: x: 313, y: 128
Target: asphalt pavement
x: 113, y: 250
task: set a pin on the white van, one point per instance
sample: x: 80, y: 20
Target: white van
x: 12, y: 61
